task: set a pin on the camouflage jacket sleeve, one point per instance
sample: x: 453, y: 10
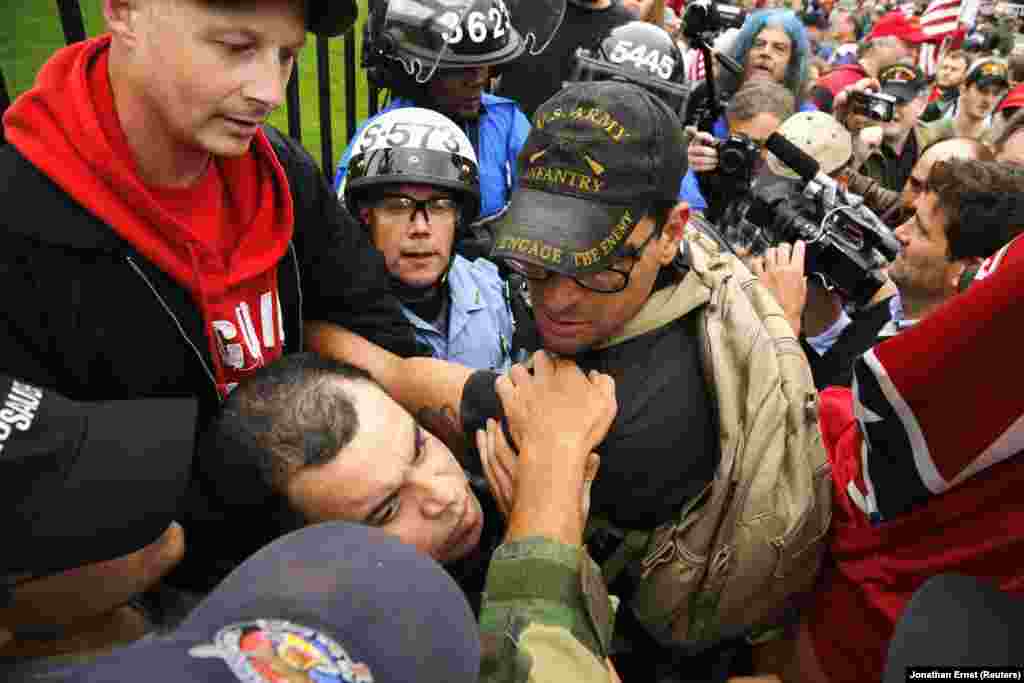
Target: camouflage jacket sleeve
x: 546, y: 615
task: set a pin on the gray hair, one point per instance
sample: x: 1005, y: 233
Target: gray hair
x: 761, y: 97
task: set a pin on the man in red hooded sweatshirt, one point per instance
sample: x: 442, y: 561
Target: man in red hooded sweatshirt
x: 927, y: 452
x: 158, y: 239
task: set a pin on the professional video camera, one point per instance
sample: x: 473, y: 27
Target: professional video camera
x: 847, y: 244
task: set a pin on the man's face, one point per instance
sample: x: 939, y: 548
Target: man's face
x: 893, y: 50
x: 907, y: 115
x: 922, y: 269
x: 977, y: 102
x: 92, y: 590
x: 917, y: 182
x: 458, y: 93
x: 416, y: 250
x: 394, y: 475
x: 1013, y: 150
x: 951, y: 72
x: 571, y: 319
x: 213, y: 73
x: 769, y: 55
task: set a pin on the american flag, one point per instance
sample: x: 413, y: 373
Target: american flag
x: 940, y: 19
x: 942, y: 23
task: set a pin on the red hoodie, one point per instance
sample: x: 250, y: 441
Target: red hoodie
x: 927, y: 457
x: 220, y: 239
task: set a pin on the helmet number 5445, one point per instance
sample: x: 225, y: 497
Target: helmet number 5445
x: 642, y: 58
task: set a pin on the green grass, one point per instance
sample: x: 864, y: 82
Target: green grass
x: 30, y: 32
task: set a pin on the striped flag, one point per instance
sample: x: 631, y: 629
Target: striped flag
x: 940, y: 19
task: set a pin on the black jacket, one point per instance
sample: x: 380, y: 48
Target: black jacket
x: 86, y: 314
x: 835, y: 368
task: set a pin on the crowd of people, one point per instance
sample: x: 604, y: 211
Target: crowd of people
x: 517, y: 397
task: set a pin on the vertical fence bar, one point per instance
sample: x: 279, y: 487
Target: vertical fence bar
x: 350, y: 85
x: 292, y: 97
x: 373, y: 93
x: 323, y: 78
x: 71, y: 21
x: 5, y: 101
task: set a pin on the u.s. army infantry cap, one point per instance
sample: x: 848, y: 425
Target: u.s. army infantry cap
x: 599, y: 155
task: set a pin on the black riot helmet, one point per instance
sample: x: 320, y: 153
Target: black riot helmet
x: 640, y: 53
x: 411, y: 39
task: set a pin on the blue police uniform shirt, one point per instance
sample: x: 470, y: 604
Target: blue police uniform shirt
x: 503, y: 131
x: 479, y: 333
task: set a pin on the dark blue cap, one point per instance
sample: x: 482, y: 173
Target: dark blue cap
x: 331, y: 603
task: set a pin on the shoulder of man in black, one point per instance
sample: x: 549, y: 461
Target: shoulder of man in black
x: 344, y: 278
x: 835, y: 367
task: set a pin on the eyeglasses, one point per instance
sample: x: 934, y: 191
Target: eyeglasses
x: 397, y: 206
x: 608, y: 281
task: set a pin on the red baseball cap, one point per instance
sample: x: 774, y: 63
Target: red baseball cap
x: 898, y: 24
x: 1013, y: 100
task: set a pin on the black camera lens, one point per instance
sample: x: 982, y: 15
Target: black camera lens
x: 732, y: 160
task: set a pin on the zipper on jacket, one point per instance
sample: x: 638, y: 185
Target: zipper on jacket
x: 298, y: 290
x: 209, y: 373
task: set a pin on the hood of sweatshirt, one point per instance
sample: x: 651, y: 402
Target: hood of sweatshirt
x: 66, y: 126
x: 221, y: 240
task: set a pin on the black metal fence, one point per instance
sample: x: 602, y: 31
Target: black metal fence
x: 73, y: 25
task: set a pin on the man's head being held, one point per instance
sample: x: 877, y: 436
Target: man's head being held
x: 591, y: 224
x: 413, y: 197
x: 307, y: 440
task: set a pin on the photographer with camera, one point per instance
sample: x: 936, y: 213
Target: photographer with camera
x: 925, y: 482
x: 752, y: 115
x: 832, y: 337
x: 889, y: 42
x: 887, y: 150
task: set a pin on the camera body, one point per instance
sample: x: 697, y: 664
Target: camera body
x: 703, y: 17
x: 875, y: 106
x: 847, y: 244
x: 738, y: 158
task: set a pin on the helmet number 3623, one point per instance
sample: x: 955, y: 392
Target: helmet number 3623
x: 642, y: 58
x: 477, y: 26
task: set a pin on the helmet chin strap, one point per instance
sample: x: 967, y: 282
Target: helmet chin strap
x: 426, y: 302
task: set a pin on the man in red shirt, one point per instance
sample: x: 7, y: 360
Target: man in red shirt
x: 893, y: 39
x: 926, y: 453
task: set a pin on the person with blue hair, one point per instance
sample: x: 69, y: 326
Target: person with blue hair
x: 773, y: 46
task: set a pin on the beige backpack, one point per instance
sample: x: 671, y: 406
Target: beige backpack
x: 753, y: 540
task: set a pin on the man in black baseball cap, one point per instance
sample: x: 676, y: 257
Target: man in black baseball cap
x: 88, y: 498
x: 595, y: 191
x: 890, y: 160
x: 986, y: 82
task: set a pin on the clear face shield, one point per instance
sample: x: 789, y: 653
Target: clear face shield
x: 425, y: 33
